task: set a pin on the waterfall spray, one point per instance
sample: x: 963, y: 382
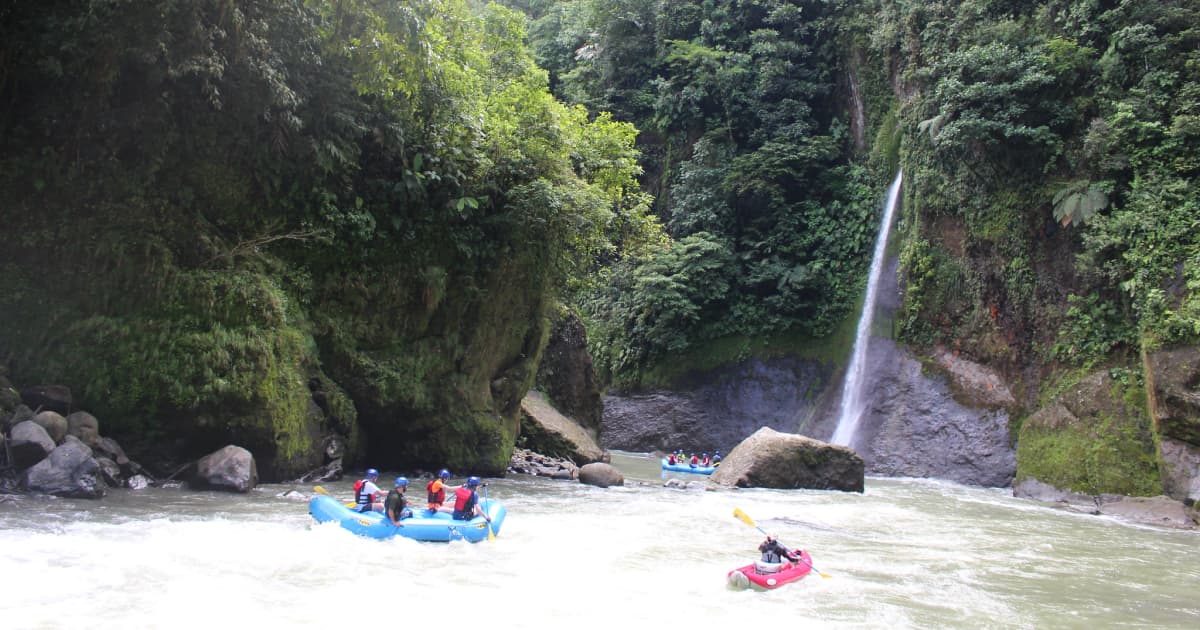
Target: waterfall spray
x: 852, y: 404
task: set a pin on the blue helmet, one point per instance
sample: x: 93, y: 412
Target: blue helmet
x: 472, y: 481
x: 372, y: 473
x: 401, y: 481
x: 445, y: 474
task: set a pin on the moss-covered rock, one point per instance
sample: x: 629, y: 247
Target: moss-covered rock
x: 1093, y: 438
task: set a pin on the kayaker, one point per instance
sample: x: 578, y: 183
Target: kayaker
x: 367, y: 495
x: 466, y: 501
x: 436, y: 489
x: 396, y: 505
x: 775, y: 552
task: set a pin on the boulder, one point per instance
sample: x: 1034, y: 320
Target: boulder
x: 84, y: 426
x: 231, y: 468
x: 110, y: 472
x: 29, y: 444
x: 19, y: 415
x: 601, y: 474
x: 56, y: 398
x: 770, y: 459
x: 1161, y: 511
x: 54, y: 424
x: 565, y: 373
x: 69, y: 471
x: 546, y: 431
x: 1180, y: 469
x: 137, y: 482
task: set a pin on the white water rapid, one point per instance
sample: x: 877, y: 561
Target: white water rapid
x: 852, y: 403
x: 906, y: 553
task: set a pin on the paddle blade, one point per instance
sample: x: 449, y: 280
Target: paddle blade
x: 491, y: 534
x: 320, y: 490
x: 743, y: 517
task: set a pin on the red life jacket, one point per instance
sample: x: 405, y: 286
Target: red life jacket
x: 464, y: 503
x: 436, y: 497
x: 359, y: 498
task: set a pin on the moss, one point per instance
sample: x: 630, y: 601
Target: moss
x: 1109, y: 449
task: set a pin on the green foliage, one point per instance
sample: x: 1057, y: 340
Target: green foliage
x: 1092, y: 331
x: 1077, y: 202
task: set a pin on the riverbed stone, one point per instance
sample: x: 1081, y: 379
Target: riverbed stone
x: 84, y: 426
x: 600, y: 474
x: 29, y: 443
x: 19, y: 415
x: 69, y: 471
x: 231, y: 468
x: 770, y: 459
x: 54, y: 424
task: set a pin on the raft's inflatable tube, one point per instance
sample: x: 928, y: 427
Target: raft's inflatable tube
x: 438, y: 527
x: 763, y: 576
x: 688, y: 468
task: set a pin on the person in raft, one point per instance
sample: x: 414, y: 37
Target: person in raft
x: 704, y: 460
x: 367, y: 495
x: 671, y: 459
x: 436, y: 489
x: 396, y: 506
x: 694, y: 461
x: 774, y: 552
x: 716, y: 460
x: 466, y: 501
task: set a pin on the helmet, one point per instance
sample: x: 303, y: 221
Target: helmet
x: 445, y: 474
x: 472, y: 481
x: 401, y: 481
x: 372, y: 473
x: 705, y: 454
x: 716, y: 452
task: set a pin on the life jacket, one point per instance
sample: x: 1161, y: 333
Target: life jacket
x: 695, y: 460
x: 438, y: 497
x: 360, y: 499
x: 705, y: 461
x: 671, y: 460
x: 464, y: 503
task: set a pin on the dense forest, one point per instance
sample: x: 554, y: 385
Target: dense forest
x: 221, y: 213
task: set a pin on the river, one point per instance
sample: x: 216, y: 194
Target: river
x: 904, y: 554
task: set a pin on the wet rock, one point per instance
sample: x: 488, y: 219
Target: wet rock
x: 770, y: 459
x: 601, y: 474
x: 231, y: 468
x: 84, y: 426
x: 54, y: 424
x: 293, y: 495
x: 137, y: 482
x: 69, y: 471
x: 29, y: 444
x: 19, y: 415
x: 110, y: 472
x: 527, y: 462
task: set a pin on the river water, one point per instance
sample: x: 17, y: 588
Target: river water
x: 904, y: 554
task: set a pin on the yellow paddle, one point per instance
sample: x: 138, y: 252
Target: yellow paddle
x: 320, y: 490
x: 745, y: 518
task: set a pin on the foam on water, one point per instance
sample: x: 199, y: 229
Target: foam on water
x: 905, y: 554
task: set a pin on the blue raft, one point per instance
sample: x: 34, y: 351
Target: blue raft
x: 688, y: 468
x: 439, y: 527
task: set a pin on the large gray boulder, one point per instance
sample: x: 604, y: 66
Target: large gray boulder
x: 546, y: 431
x: 19, y: 415
x: 70, y: 471
x: 770, y: 459
x: 231, y: 468
x: 601, y: 474
x: 29, y: 444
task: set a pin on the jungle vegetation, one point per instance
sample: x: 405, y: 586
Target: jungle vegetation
x: 217, y: 210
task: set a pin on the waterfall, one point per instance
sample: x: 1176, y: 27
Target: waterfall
x: 852, y: 404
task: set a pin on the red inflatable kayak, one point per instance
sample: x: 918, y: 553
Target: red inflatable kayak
x: 763, y: 576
